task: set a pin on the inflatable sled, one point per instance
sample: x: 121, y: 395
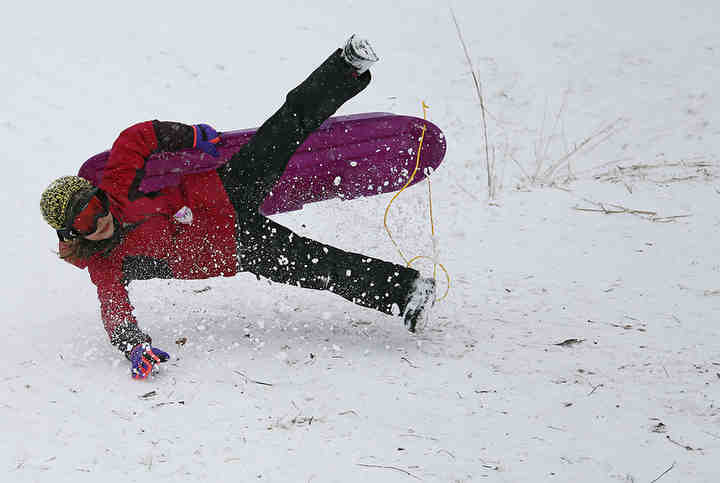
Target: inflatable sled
x: 347, y: 157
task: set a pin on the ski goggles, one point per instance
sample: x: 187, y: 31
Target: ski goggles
x: 84, y: 213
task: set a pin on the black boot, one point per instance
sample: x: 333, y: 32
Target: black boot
x: 420, y: 300
x: 359, y: 53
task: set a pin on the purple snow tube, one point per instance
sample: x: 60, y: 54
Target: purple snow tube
x: 347, y: 157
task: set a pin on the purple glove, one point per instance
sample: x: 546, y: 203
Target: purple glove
x: 205, y: 138
x: 143, y: 358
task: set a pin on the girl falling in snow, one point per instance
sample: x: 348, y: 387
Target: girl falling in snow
x: 210, y: 225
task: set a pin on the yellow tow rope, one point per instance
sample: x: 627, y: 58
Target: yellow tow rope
x: 409, y: 262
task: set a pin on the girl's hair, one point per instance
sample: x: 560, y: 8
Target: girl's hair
x: 82, y: 248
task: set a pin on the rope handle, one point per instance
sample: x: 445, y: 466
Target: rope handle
x: 434, y: 258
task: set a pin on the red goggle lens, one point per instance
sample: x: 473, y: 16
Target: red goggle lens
x: 86, y: 221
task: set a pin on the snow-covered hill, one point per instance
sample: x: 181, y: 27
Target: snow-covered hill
x: 579, y: 340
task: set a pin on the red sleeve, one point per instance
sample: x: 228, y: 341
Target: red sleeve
x: 115, y: 308
x: 127, y: 159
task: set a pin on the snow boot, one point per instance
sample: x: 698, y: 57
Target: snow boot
x: 421, y: 299
x: 358, y: 53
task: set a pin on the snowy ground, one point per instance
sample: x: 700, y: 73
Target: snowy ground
x: 279, y: 384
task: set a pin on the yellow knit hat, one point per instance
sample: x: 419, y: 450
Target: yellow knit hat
x: 55, y: 198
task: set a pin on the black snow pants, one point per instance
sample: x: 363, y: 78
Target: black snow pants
x: 271, y: 250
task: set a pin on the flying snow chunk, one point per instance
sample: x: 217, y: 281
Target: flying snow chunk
x: 337, y: 181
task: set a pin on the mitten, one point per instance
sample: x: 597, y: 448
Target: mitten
x: 143, y: 358
x: 205, y: 138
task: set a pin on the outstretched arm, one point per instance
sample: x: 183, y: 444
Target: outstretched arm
x: 115, y: 308
x: 119, y: 322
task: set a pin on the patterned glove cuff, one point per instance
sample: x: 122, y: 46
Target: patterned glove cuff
x: 126, y: 336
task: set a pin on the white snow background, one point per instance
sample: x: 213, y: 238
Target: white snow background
x: 285, y: 385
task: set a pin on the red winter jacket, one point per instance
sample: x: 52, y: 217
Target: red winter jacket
x: 159, y: 246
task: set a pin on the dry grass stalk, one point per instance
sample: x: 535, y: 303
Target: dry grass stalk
x: 588, y: 144
x: 674, y: 179
x: 617, y: 210
x: 682, y: 445
x: 612, y: 209
x: 389, y: 468
x: 490, y: 166
x: 668, y: 219
x: 664, y: 473
x: 546, y: 168
x: 698, y: 170
x: 247, y: 379
x: 541, y: 155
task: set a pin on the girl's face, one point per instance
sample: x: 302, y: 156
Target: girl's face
x: 105, y: 229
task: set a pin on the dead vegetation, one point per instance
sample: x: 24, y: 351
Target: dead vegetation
x: 551, y: 160
x: 553, y: 154
x: 615, y: 209
x: 554, y: 158
x: 661, y: 173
